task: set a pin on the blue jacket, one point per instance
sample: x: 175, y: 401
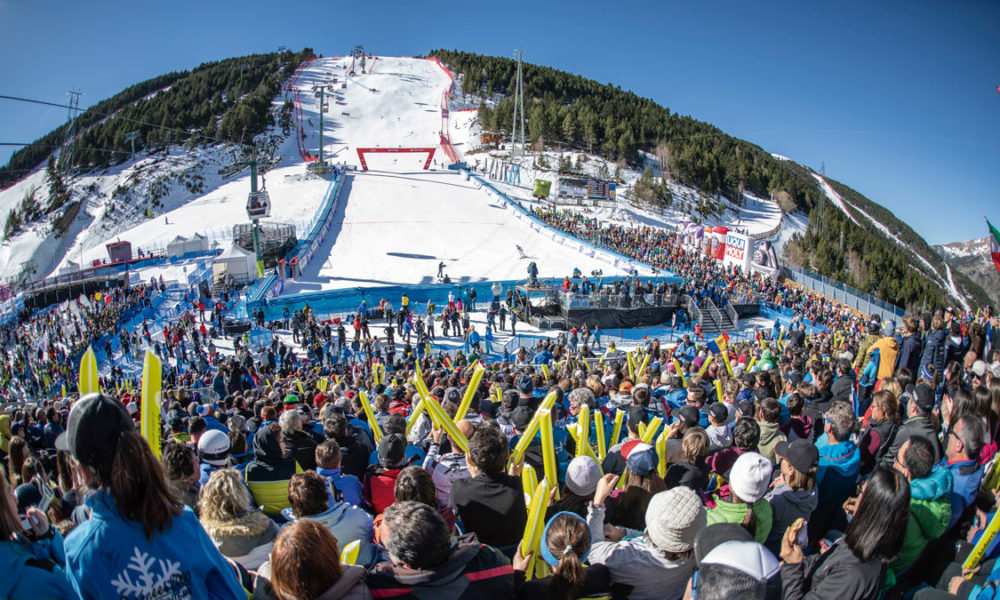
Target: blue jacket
x: 966, y: 475
x: 837, y: 474
x: 110, y: 557
x: 349, y: 485
x: 212, y: 423
x: 21, y: 580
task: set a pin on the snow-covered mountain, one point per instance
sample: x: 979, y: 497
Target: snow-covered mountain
x: 396, y: 222
x: 972, y: 258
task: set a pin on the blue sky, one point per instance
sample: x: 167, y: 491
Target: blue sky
x: 897, y: 98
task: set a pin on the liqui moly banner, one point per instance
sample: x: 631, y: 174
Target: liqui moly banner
x: 739, y: 251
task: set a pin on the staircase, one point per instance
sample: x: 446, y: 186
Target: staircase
x: 721, y: 319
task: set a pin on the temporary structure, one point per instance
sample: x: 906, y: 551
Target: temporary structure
x: 235, y: 264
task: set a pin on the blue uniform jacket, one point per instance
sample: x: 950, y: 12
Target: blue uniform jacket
x: 110, y: 557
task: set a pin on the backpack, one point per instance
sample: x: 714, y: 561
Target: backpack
x: 870, y: 372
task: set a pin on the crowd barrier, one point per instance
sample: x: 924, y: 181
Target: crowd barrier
x: 844, y: 294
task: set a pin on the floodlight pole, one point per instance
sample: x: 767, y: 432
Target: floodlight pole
x: 258, y: 253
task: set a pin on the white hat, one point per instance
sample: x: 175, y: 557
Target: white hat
x: 582, y: 475
x: 979, y: 368
x: 747, y: 557
x: 213, y: 448
x: 673, y: 519
x: 750, y: 477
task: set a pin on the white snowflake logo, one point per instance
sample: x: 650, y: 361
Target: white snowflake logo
x: 149, y: 584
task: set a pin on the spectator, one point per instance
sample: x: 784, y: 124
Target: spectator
x: 180, y: 466
x: 239, y: 531
x: 961, y: 453
x: 930, y: 505
x: 794, y: 495
x: 839, y: 465
x: 309, y: 496
x: 769, y: 421
x: 133, y: 509
x: 380, y: 479
x: 854, y: 567
x: 298, y: 445
x: 565, y: 544
x: 306, y: 563
x: 692, y: 471
x: 32, y: 559
x: 328, y: 466
x: 582, y: 476
x: 917, y: 423
x: 425, y: 561
x: 267, y: 476
x: 490, y: 503
x: 749, y: 481
x: 658, y: 563
x: 213, y: 454
x: 746, y: 435
x: 880, y: 433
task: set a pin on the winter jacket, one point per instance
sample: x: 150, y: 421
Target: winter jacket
x: 350, y: 487
x: 110, y: 557
x: 379, y: 485
x: 596, y: 582
x: 5, y: 435
x: 836, y: 574
x: 733, y: 512
x: 246, y: 539
x: 492, y: 507
x: 966, y: 475
x: 887, y: 348
x: 934, y: 351
x: 770, y: 436
x: 349, y: 586
x: 909, y: 354
x: 836, y: 479
x: 915, y: 426
x: 474, y: 571
x: 444, y: 470
x: 638, y: 563
x: 302, y: 447
x: 930, y: 511
x: 347, y: 523
x: 686, y: 474
x: 875, y: 442
x: 842, y: 389
x: 787, y: 505
x: 866, y: 344
x: 34, y: 569
x: 268, y: 475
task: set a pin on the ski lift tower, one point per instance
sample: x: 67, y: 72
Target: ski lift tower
x: 320, y: 91
x: 259, y: 202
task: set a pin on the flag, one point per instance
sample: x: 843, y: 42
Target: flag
x: 718, y: 344
x: 994, y: 244
x: 152, y: 371
x: 88, y: 382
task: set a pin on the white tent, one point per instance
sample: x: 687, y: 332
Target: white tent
x: 176, y: 246
x: 69, y: 267
x: 181, y: 245
x: 235, y: 263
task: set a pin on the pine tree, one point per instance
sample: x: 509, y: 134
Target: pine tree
x: 58, y: 193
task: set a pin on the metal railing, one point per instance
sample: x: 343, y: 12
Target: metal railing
x: 713, y: 313
x: 732, y: 314
x: 843, y: 293
x: 694, y: 313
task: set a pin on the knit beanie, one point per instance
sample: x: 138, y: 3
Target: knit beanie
x: 673, y: 518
